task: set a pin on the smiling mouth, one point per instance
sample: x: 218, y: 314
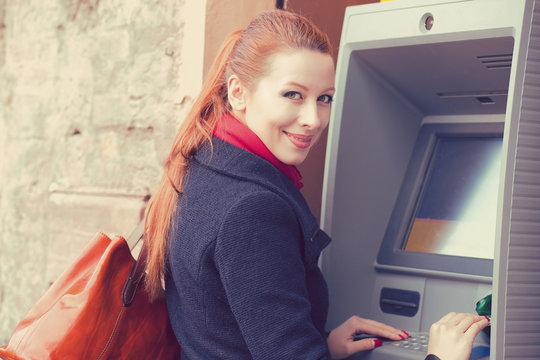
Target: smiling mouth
x: 300, y: 141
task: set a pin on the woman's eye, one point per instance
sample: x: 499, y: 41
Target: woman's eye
x: 325, y: 99
x: 294, y: 95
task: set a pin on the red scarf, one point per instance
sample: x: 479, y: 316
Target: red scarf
x: 229, y: 129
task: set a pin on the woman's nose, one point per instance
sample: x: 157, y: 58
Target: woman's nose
x: 310, y: 117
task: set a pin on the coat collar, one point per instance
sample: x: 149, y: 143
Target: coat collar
x: 231, y: 130
x: 233, y: 161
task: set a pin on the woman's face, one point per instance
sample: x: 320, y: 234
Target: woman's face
x: 289, y: 107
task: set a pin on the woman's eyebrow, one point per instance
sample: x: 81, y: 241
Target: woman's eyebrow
x: 294, y: 83
x: 305, y: 88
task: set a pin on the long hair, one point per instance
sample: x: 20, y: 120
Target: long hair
x: 245, y: 53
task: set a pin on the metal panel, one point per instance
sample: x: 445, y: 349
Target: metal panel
x: 522, y: 318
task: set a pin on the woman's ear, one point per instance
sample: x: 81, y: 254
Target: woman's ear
x: 236, y: 93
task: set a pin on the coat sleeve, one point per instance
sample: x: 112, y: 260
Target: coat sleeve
x: 259, y: 258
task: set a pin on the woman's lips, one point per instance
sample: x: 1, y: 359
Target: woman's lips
x: 299, y: 140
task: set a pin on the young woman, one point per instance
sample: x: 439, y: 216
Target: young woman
x: 228, y: 229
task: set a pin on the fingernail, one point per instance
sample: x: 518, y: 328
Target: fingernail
x: 402, y: 336
x: 406, y: 333
x: 377, y: 342
x: 488, y: 319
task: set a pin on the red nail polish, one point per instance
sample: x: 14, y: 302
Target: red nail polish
x: 402, y: 336
x: 488, y: 319
x: 406, y: 333
x: 377, y: 342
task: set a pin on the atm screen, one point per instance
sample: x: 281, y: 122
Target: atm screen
x: 456, y: 209
x: 445, y: 216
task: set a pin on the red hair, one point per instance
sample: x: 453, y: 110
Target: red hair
x: 244, y: 53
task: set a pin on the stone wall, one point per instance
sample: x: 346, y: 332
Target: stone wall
x: 91, y: 95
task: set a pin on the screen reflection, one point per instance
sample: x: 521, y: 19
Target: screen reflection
x: 456, y: 212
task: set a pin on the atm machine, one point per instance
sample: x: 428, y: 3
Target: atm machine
x: 432, y: 180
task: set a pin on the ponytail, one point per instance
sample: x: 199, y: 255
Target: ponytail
x: 196, y: 128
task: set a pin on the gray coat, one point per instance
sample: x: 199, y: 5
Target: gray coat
x: 243, y: 279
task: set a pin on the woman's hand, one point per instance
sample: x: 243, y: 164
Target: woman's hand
x: 451, y: 338
x: 341, y: 340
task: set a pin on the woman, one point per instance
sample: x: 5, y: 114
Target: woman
x: 229, y: 231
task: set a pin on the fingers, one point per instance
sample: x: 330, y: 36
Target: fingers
x: 453, y: 318
x: 341, y: 340
x: 477, y: 326
x: 361, y: 325
x: 363, y: 345
x: 463, y: 322
x: 453, y: 335
x: 455, y: 325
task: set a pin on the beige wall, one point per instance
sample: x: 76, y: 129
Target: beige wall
x: 91, y: 93
x: 91, y: 96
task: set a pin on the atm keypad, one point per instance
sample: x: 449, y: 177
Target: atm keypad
x: 417, y: 341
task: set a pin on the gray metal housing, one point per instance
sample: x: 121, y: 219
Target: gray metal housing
x: 393, y: 75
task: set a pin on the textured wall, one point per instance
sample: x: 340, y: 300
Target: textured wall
x: 91, y: 94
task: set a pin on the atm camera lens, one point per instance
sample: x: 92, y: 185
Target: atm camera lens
x: 428, y: 23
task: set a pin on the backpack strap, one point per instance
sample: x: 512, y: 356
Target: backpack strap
x: 136, y: 273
